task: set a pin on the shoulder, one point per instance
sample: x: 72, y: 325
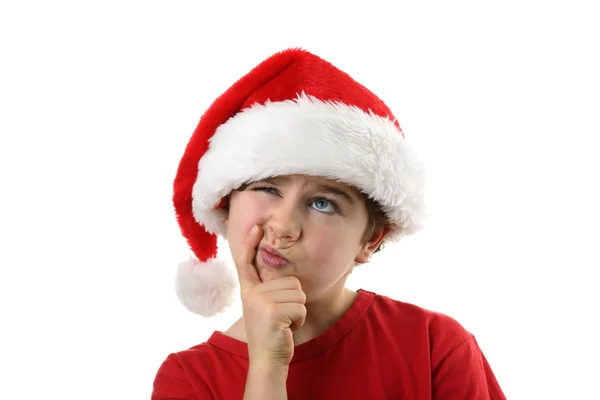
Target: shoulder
x: 174, y: 379
x: 213, y: 368
x: 436, y: 323
x: 186, y: 374
x: 195, y: 360
x: 184, y: 363
x: 458, y: 367
x: 442, y: 332
x: 217, y: 353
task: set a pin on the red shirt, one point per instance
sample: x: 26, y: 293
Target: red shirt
x: 380, y: 349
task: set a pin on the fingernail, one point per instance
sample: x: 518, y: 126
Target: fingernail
x: 254, y: 229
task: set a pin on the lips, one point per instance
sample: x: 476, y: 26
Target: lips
x: 272, y: 251
x: 271, y: 257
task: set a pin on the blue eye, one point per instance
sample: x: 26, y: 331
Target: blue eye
x: 322, y: 203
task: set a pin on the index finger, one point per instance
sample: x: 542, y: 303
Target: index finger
x: 247, y: 273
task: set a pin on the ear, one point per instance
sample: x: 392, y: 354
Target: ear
x: 368, y: 248
x: 223, y: 207
x: 226, y: 217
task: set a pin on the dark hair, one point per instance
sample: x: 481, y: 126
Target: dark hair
x: 377, y: 219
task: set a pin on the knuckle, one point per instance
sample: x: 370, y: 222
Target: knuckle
x: 251, y: 298
x: 302, y: 311
x: 264, y: 299
x: 294, y: 282
x: 270, y: 310
x: 302, y: 298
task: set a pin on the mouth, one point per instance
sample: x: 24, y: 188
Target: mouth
x: 271, y: 257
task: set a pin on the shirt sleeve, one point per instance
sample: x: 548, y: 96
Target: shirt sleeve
x: 172, y: 383
x: 465, y: 374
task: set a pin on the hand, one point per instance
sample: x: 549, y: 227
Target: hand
x: 272, y: 309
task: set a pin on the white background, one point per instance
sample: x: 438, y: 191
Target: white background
x: 98, y: 100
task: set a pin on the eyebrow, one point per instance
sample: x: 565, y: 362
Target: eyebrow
x: 278, y: 180
x: 336, y: 192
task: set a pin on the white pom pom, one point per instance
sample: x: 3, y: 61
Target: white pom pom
x: 205, y: 288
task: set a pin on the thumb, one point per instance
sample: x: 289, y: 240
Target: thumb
x: 247, y: 273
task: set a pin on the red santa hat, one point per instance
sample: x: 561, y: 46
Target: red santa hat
x: 294, y: 113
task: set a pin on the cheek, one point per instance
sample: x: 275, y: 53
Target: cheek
x: 244, y: 213
x: 333, y: 247
x: 329, y: 256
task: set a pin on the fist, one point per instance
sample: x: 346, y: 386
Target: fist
x: 272, y: 309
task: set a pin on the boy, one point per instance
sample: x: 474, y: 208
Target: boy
x: 306, y: 172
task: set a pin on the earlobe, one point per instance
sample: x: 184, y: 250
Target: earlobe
x: 362, y: 257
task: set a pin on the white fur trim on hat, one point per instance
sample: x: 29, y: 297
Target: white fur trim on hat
x: 312, y: 137
x: 205, y: 288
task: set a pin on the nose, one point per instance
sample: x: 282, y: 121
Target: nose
x: 284, y: 224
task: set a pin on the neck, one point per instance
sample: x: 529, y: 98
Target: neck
x: 323, y: 313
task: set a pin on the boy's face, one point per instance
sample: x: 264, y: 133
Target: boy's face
x: 317, y: 224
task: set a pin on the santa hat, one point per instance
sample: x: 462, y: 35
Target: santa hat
x: 294, y: 113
